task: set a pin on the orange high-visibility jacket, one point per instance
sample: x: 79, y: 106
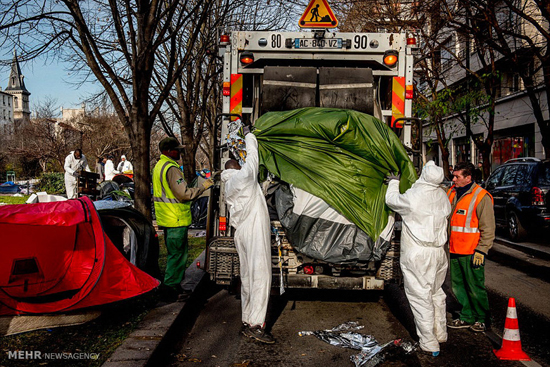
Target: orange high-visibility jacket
x: 465, y: 233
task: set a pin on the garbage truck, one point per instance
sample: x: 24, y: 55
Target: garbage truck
x: 266, y: 71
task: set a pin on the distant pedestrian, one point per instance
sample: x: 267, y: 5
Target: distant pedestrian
x: 75, y: 162
x: 110, y: 171
x: 478, y: 173
x: 100, y: 168
x: 472, y: 231
x: 424, y: 209
x: 124, y: 165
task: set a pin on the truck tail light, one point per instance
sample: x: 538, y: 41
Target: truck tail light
x: 247, y: 58
x: 223, y: 224
x: 390, y: 58
x: 224, y: 39
x: 411, y: 41
x: 226, y: 89
x: 308, y: 269
x: 536, y: 196
x: 409, y: 92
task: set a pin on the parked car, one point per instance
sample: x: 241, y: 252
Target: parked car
x: 520, y: 190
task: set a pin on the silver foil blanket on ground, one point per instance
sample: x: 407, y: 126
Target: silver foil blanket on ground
x: 344, y: 335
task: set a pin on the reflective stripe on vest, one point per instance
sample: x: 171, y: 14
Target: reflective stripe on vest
x: 169, y: 211
x: 465, y: 233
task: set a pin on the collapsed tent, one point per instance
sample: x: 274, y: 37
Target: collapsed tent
x: 340, y: 156
x: 131, y: 233
x: 56, y: 257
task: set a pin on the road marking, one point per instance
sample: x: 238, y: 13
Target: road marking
x: 497, y: 339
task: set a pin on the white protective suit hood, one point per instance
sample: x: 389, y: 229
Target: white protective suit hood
x: 431, y: 174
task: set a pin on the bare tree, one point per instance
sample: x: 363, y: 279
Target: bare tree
x: 117, y: 42
x: 195, y: 100
x: 517, y: 31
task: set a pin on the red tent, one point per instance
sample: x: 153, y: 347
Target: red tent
x: 56, y: 257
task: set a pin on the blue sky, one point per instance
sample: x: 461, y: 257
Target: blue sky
x: 50, y: 80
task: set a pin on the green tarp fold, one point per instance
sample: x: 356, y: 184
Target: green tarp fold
x: 341, y: 156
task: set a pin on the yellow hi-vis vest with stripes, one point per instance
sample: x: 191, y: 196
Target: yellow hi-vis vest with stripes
x: 168, y: 210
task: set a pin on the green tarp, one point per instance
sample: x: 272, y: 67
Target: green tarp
x: 341, y: 156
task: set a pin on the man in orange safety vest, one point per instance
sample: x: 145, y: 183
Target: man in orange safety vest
x: 472, y: 231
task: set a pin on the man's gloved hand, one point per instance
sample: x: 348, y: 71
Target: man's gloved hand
x: 208, y: 183
x: 478, y: 259
x: 246, y: 130
x: 215, y: 175
x: 391, y: 176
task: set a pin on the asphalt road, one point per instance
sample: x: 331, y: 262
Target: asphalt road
x: 210, y: 332
x: 210, y: 335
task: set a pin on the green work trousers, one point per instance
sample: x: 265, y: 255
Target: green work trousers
x: 469, y: 288
x: 176, y: 244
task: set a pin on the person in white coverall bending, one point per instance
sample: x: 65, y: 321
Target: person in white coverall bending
x: 424, y: 209
x: 249, y: 216
x: 74, y: 163
x: 110, y: 171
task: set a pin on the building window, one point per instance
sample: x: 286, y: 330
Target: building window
x: 15, y: 102
x: 447, y: 54
x: 515, y: 83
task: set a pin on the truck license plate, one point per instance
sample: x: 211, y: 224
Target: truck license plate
x: 317, y: 43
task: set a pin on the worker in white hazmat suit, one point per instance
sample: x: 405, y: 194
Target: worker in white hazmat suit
x: 124, y: 165
x: 110, y: 171
x: 74, y: 163
x: 249, y: 216
x: 424, y: 209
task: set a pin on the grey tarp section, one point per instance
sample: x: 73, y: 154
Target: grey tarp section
x: 318, y: 231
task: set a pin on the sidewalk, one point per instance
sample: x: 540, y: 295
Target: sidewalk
x: 531, y: 248
x: 530, y: 258
x: 138, y: 349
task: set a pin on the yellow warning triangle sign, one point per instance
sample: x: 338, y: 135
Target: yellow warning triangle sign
x: 318, y: 14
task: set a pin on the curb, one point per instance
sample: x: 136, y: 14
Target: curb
x: 519, y: 259
x: 539, y: 251
x: 150, y: 335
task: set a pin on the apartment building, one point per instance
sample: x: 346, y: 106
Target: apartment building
x: 6, y: 113
x: 516, y: 132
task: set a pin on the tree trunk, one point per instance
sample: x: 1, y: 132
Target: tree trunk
x: 188, y: 162
x: 445, y: 159
x: 142, y: 171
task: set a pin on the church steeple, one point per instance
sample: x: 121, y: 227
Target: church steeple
x: 16, y: 87
x: 16, y: 81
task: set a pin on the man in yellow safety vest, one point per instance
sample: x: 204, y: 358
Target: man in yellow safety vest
x: 172, y: 198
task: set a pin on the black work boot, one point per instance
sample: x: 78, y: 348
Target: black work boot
x: 258, y: 333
